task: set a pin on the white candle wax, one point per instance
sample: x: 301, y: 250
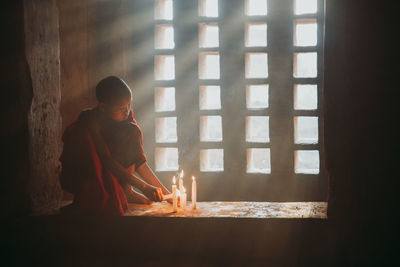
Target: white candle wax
x: 183, y: 198
x: 180, y: 182
x: 165, y: 197
x: 174, y: 196
x: 194, y: 192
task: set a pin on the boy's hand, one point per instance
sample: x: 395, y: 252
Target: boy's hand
x: 135, y: 197
x: 153, y: 193
x: 143, y: 200
x: 166, y: 192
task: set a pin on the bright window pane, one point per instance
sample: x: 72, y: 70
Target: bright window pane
x: 306, y: 161
x: 305, y: 130
x: 163, y: 9
x: 210, y: 128
x: 305, y: 65
x: 258, y: 160
x: 164, y: 37
x: 208, y: 35
x: 256, y: 7
x: 208, y: 8
x: 166, y: 159
x: 166, y: 130
x: 257, y: 129
x: 256, y: 34
x: 209, y: 65
x: 164, y: 99
x: 305, y: 7
x: 305, y: 33
x: 305, y: 97
x: 164, y: 68
x: 211, y: 160
x: 210, y: 97
x: 256, y: 65
x: 257, y: 96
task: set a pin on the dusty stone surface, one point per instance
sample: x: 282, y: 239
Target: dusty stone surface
x: 235, y: 210
x: 92, y: 47
x: 76, y: 92
x: 43, y: 57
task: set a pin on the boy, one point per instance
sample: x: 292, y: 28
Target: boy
x: 102, y: 151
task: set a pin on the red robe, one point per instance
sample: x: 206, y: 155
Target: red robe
x: 96, y: 190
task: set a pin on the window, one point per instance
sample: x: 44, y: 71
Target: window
x: 165, y: 67
x: 209, y: 66
x: 256, y: 65
x: 211, y: 130
x: 211, y: 160
x: 305, y: 32
x: 166, y: 137
x: 210, y: 97
x: 258, y: 160
x: 208, y: 35
x: 256, y: 7
x: 257, y: 129
x: 256, y: 34
x: 257, y: 96
x: 237, y: 96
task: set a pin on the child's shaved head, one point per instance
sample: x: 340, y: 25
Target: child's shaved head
x: 111, y: 90
x: 114, y: 97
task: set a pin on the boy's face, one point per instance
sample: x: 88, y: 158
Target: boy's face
x: 118, y: 111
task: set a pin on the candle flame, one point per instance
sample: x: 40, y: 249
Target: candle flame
x: 193, y: 178
x: 181, y: 174
x: 174, y: 180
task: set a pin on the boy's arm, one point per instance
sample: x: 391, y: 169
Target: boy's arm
x: 148, y: 175
x: 135, y: 197
x: 154, y: 193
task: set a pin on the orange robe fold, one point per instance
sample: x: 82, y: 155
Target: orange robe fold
x: 96, y: 190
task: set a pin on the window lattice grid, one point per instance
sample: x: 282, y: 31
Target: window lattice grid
x: 209, y: 68
x: 307, y: 41
x: 260, y: 89
x: 166, y: 158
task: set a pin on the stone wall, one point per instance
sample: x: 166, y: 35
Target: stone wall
x: 93, y: 39
x: 44, y: 120
x: 74, y: 57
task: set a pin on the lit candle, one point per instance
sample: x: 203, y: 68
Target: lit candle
x: 180, y: 182
x: 174, y: 195
x: 166, y: 197
x: 183, y: 198
x: 194, y: 192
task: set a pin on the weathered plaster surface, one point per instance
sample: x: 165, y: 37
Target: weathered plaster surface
x: 43, y: 56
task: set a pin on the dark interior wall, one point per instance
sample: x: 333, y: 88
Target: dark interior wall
x: 355, y: 86
x: 17, y: 97
x: 32, y: 127
x: 75, y: 39
x: 359, y: 67
x: 93, y: 37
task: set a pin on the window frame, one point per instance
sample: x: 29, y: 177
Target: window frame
x: 232, y: 50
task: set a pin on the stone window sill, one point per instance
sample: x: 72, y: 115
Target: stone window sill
x: 234, y: 210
